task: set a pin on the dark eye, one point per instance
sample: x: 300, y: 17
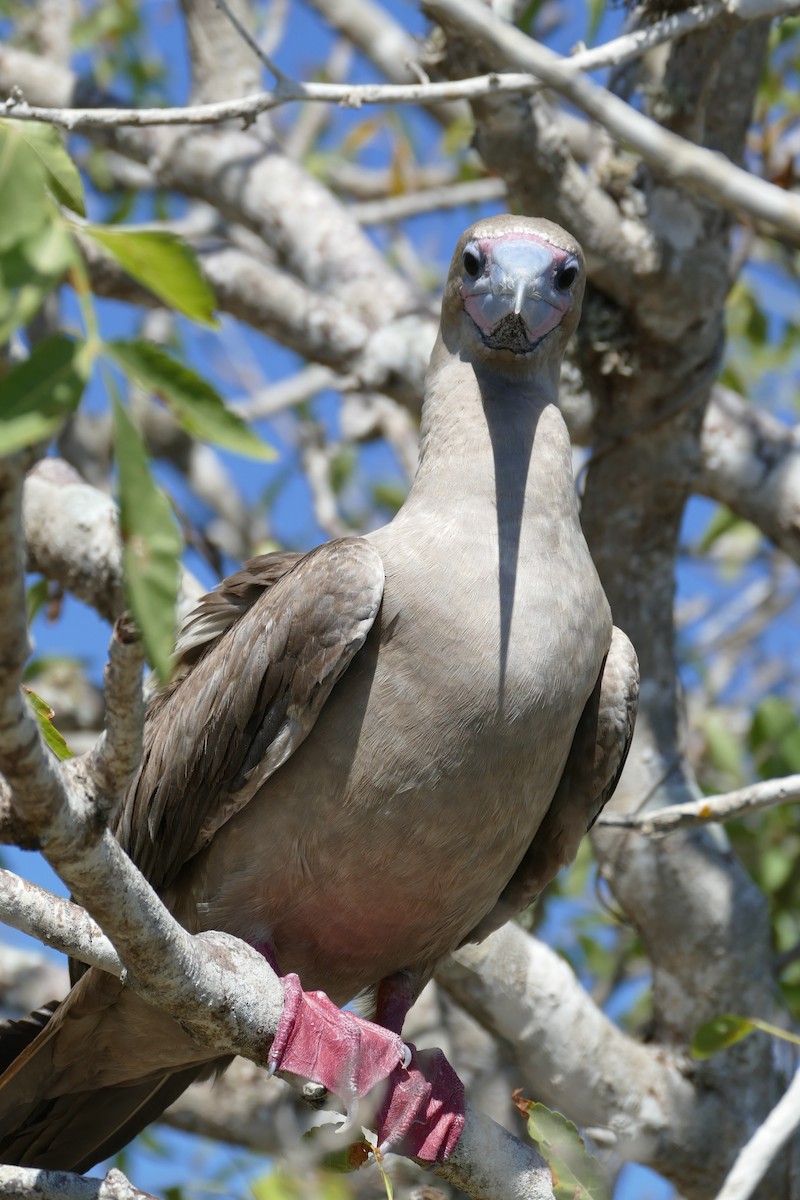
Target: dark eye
x: 472, y: 263
x: 566, y: 276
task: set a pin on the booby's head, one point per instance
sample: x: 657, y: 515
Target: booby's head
x: 516, y: 283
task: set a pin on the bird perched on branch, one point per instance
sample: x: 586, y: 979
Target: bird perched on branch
x: 374, y: 752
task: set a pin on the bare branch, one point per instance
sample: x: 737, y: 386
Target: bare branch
x: 760, y: 1151
x: 672, y: 157
x: 56, y: 922
x: 545, y: 70
x: 247, y: 37
x: 72, y: 536
x: 566, y: 1048
x: 386, y: 43
x: 112, y: 762
x: 296, y: 390
x: 409, y: 204
x: 751, y: 462
x: 391, y: 359
x: 724, y: 807
x: 29, y: 1183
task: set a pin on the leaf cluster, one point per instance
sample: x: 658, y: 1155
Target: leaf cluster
x: 43, y: 382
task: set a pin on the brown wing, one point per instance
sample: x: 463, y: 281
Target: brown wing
x: 217, y: 611
x: 593, y: 768
x: 216, y: 735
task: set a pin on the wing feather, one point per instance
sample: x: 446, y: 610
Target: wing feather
x: 259, y: 676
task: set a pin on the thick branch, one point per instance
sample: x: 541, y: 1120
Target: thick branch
x: 569, y: 1052
x: 391, y: 359
x: 673, y: 158
x: 72, y: 537
x: 751, y: 462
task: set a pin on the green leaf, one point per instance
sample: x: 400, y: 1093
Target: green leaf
x: 723, y: 746
x: 576, y: 1175
x: 29, y: 271
x: 163, y: 264
x: 280, y: 1185
x: 195, y: 403
x: 63, y: 177
x: 775, y: 738
x: 719, y: 1034
x: 23, y: 200
x: 596, y: 10
x: 37, y: 395
x: 36, y: 598
x: 728, y: 1029
x: 389, y: 495
x: 44, y: 715
x: 151, y: 545
x: 774, y: 869
x: 721, y: 521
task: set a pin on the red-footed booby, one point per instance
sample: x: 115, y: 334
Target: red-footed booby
x: 374, y: 752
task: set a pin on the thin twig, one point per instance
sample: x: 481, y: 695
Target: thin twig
x: 245, y: 34
x: 709, y: 809
x: 287, y: 392
x: 620, y: 50
x: 411, y: 204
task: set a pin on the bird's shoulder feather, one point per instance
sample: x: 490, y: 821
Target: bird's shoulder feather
x: 258, y: 659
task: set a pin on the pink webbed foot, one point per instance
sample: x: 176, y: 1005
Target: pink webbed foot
x: 422, y: 1112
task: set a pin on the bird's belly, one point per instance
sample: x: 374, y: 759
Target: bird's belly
x: 393, y: 857
x: 395, y: 826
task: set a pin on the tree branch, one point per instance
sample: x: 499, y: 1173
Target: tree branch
x: 248, y: 38
x: 759, y: 1152
x: 72, y: 537
x: 56, y: 922
x: 115, y: 757
x: 709, y: 809
x: 614, y: 53
x: 673, y: 158
x: 29, y: 1183
x: 570, y: 1053
x: 751, y: 462
x: 409, y: 204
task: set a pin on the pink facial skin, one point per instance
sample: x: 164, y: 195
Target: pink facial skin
x: 522, y: 274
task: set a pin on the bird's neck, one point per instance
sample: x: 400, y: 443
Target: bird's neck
x: 492, y: 439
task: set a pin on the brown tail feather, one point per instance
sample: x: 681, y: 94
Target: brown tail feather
x: 16, y: 1036
x: 92, y: 1074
